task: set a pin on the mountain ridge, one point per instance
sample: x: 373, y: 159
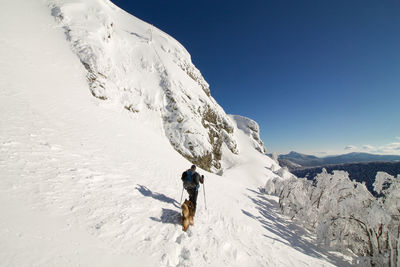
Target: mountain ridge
x: 295, y: 160
x: 142, y: 69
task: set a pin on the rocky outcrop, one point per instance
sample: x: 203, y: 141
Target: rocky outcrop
x: 251, y: 128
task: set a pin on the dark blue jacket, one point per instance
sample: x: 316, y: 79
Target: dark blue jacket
x: 191, y: 180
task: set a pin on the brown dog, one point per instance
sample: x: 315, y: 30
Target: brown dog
x: 187, y: 214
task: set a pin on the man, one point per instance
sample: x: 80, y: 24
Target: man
x: 191, y: 182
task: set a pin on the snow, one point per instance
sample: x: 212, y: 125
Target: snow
x: 251, y: 128
x: 344, y: 214
x: 84, y: 182
x: 138, y: 67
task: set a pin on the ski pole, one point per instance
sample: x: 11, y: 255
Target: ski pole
x: 204, y: 191
x: 180, y: 203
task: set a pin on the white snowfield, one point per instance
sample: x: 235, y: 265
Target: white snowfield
x: 84, y: 182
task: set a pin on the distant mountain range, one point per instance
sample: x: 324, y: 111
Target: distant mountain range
x: 361, y: 167
x: 295, y: 160
x: 361, y: 172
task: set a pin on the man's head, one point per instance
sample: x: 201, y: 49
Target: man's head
x: 193, y: 168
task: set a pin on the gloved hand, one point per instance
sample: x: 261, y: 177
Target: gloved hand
x: 202, y: 179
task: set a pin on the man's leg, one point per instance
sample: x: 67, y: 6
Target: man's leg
x: 193, y: 198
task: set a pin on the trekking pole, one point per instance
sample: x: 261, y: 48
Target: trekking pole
x: 180, y: 203
x: 204, y: 191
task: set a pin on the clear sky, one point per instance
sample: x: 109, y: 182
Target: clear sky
x: 318, y: 76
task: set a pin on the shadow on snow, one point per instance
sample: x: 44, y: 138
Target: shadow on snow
x: 158, y: 196
x: 291, y: 235
x: 167, y: 215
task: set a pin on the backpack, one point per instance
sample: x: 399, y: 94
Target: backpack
x: 188, y: 182
x: 184, y: 175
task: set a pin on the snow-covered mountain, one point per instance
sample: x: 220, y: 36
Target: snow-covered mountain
x: 94, y: 181
x: 138, y: 67
x: 295, y: 160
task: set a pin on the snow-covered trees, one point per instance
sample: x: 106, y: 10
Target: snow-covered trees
x: 344, y: 214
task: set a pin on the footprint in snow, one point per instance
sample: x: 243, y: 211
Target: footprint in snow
x: 179, y: 238
x: 184, y: 258
x: 185, y: 254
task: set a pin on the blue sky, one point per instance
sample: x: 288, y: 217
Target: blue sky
x: 318, y: 76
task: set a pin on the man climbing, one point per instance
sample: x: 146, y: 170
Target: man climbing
x: 191, y: 182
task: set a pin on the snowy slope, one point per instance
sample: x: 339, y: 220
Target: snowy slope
x: 84, y: 182
x: 138, y: 67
